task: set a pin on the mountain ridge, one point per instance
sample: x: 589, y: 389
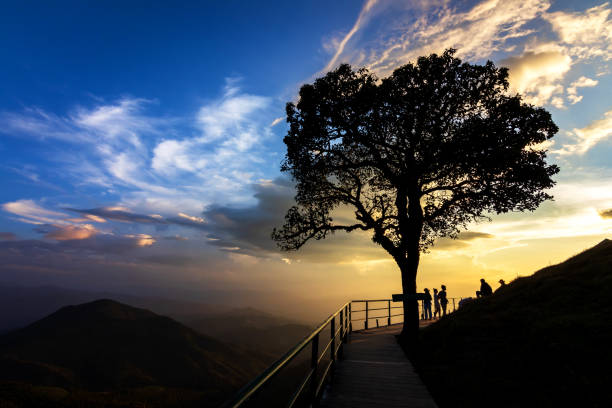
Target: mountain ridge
x: 104, y: 346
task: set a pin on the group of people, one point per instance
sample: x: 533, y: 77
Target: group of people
x: 485, y: 288
x: 440, y: 301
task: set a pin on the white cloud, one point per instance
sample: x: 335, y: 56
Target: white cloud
x: 120, y: 120
x: 32, y: 212
x: 389, y: 34
x: 587, y: 34
x: 71, y: 232
x: 137, y: 155
x: 341, y: 44
x: 172, y: 155
x: 223, y: 160
x: 537, y: 75
x: 419, y: 28
x: 588, y: 136
x: 142, y: 240
x: 191, y: 218
x: 37, y: 123
x: 229, y: 115
x: 582, y: 82
x: 277, y: 121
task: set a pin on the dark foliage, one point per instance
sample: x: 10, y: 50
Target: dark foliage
x: 542, y: 341
x: 416, y: 156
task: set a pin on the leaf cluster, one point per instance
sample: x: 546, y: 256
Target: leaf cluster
x: 417, y: 155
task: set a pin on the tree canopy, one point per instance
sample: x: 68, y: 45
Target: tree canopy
x: 417, y: 155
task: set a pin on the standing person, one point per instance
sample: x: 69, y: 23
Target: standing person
x: 436, y: 300
x: 485, y: 288
x: 427, y: 305
x: 443, y: 299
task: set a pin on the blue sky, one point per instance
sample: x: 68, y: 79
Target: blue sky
x: 140, y: 142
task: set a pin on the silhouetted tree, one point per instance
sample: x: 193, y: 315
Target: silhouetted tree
x: 417, y: 156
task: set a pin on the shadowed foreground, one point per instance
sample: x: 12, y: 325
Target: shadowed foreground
x: 543, y: 341
x: 376, y: 373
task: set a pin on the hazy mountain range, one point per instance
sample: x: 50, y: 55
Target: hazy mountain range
x: 106, y: 353
x: 101, y: 350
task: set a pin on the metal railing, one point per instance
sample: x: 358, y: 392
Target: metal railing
x: 339, y: 324
x: 372, y: 311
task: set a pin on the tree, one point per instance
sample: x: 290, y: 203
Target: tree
x: 417, y: 156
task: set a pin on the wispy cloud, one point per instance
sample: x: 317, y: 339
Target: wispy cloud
x: 67, y: 232
x: 582, y: 82
x: 141, y: 157
x: 419, y: 28
x: 588, y: 136
x: 31, y: 212
x: 538, y: 75
x: 122, y: 214
x: 340, y: 47
x: 540, y: 47
x: 587, y: 34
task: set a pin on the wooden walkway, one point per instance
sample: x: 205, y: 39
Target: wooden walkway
x: 375, y: 372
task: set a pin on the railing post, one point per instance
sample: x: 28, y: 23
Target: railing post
x: 350, y: 317
x: 388, y: 313
x: 332, y: 354
x: 366, y: 317
x: 314, y: 362
x: 342, y: 323
x: 342, y: 334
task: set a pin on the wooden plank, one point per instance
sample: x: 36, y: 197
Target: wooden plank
x: 376, y: 373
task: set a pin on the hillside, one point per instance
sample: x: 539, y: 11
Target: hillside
x: 107, y: 351
x: 542, y: 341
x: 252, y: 328
x: 22, y: 305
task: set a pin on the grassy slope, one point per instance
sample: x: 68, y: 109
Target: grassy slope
x: 107, y: 346
x: 545, y: 340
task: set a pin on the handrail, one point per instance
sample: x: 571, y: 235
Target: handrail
x: 261, y: 380
x: 312, y: 383
x: 367, y: 310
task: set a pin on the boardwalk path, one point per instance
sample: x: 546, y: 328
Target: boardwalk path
x: 376, y: 373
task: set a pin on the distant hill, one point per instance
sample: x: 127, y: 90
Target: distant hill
x: 112, y: 354
x: 543, y: 341
x: 22, y: 305
x: 252, y: 328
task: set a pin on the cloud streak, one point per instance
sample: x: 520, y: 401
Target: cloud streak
x: 361, y: 19
x: 158, y: 163
x: 588, y: 136
x: 541, y: 47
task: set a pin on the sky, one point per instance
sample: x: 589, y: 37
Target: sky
x: 140, y: 142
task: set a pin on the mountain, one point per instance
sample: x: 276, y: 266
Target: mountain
x: 111, y: 352
x: 21, y: 305
x: 251, y: 328
x: 544, y: 340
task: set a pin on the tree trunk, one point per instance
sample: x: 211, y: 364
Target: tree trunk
x: 410, y: 331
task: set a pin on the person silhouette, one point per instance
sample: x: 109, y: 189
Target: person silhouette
x: 485, y: 288
x: 502, y: 284
x: 427, y: 305
x: 443, y: 299
x: 437, y: 313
